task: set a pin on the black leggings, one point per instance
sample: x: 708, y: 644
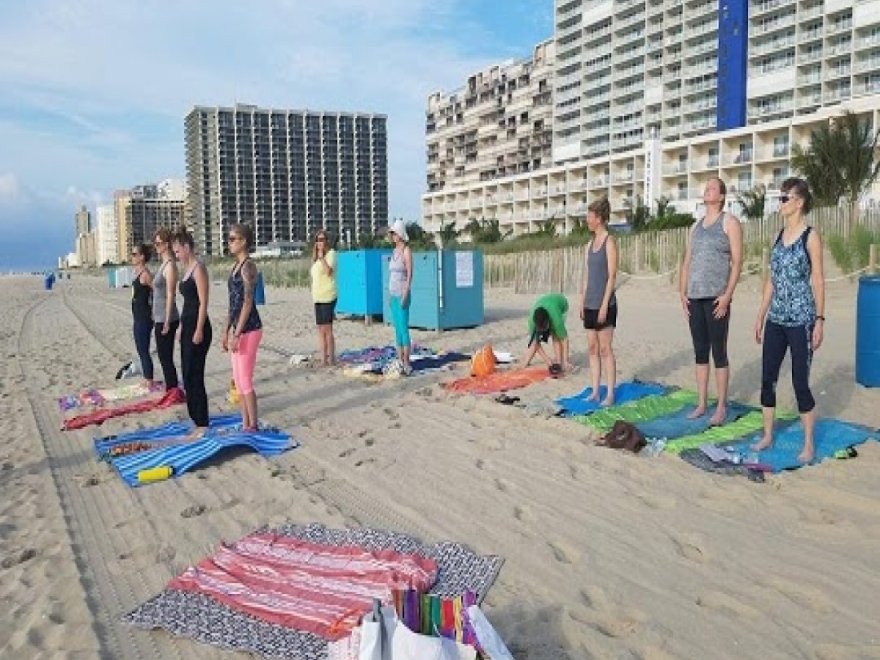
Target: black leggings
x: 778, y: 338
x: 707, y: 332
x: 142, y: 331
x: 165, y: 350
x: 192, y: 364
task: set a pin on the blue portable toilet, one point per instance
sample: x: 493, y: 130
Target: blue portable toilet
x: 260, y: 290
x: 867, y: 331
x: 447, y: 290
x: 360, y: 282
x: 111, y: 277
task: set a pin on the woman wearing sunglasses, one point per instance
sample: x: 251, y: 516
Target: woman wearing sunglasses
x: 791, y: 315
x: 195, y: 330
x: 324, y: 292
x: 141, y: 308
x: 165, y: 316
x: 243, y: 322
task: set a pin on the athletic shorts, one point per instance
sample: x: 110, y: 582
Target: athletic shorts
x: 324, y: 313
x: 591, y: 319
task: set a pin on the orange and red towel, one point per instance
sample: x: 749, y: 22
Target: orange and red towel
x: 499, y: 381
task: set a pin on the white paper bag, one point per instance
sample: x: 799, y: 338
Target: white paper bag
x: 392, y: 640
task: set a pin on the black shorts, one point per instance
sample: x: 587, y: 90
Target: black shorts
x: 324, y: 313
x: 591, y: 317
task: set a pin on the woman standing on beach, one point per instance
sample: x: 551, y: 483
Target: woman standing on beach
x: 244, y: 322
x: 598, y: 301
x: 195, y: 330
x: 165, y: 316
x: 324, y: 292
x: 399, y: 282
x: 141, y: 309
x: 791, y: 316
x: 709, y: 274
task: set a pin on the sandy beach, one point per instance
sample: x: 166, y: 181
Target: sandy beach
x: 606, y: 555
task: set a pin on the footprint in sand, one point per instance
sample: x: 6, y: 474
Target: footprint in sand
x: 93, y: 480
x: 345, y: 453
x: 166, y: 554
x: 501, y: 485
x: 480, y: 464
x: 369, y: 442
x: 391, y: 414
x: 725, y: 603
x: 689, y: 548
x: 801, y: 594
x: 365, y: 461
x: 563, y: 553
x: 523, y: 514
x: 193, y: 511
x: 19, y: 557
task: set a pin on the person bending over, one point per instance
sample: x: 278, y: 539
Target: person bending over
x: 546, y: 322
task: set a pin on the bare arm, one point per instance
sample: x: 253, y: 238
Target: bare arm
x: 817, y: 279
x: 684, y: 272
x: 249, y: 275
x: 613, y: 256
x: 146, y: 277
x: 407, y: 262
x: 200, y: 274
x: 170, y: 290
x: 586, y: 278
x: 734, y: 234
x: 327, y: 264
x: 766, y: 297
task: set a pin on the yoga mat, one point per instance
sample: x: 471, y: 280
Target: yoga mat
x: 170, y: 398
x: 831, y: 435
x: 208, y: 621
x: 649, y: 407
x: 628, y: 391
x: 499, y: 381
x: 185, y: 455
x: 676, y: 425
x: 715, y: 435
x: 156, y: 434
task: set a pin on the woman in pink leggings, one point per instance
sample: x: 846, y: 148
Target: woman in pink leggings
x: 243, y: 322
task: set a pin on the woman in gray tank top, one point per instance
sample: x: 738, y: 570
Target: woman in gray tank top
x: 598, y: 308
x: 709, y: 274
x: 165, y: 316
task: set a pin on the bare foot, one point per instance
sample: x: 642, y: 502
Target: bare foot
x: 196, y: 434
x: 699, y: 411
x: 607, y: 402
x: 807, y: 454
x: 594, y: 396
x: 719, y: 417
x: 765, y: 443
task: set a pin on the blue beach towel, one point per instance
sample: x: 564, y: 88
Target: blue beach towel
x: 163, y: 432
x: 628, y: 391
x: 677, y: 424
x: 832, y: 435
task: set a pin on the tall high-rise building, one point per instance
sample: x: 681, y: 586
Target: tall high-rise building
x: 286, y: 172
x: 499, y: 123
x: 106, y: 235
x: 83, y: 220
x: 651, y: 98
x: 145, y: 208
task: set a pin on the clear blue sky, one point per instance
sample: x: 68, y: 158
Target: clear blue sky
x: 93, y: 92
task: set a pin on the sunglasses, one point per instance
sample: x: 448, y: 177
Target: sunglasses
x: 783, y: 199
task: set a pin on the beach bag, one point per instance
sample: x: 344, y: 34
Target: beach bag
x: 483, y: 363
x: 624, y: 435
x: 382, y: 636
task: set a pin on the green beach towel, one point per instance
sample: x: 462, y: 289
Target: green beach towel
x: 640, y: 410
x: 716, y: 435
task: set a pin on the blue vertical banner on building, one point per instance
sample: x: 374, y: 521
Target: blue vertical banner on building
x: 733, y: 35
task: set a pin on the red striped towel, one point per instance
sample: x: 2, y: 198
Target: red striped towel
x: 305, y: 586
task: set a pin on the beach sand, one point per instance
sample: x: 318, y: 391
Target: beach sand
x: 607, y: 555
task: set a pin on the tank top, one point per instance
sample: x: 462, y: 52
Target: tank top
x: 396, y: 273
x: 190, y: 293
x: 792, y: 303
x: 160, y: 293
x: 597, y: 276
x: 710, y: 260
x: 140, y: 300
x: 236, y: 302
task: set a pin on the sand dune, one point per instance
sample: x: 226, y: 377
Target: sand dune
x: 607, y: 555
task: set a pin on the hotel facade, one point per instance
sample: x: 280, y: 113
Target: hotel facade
x: 651, y: 98
x: 288, y: 173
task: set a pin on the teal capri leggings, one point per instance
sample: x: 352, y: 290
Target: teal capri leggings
x: 400, y: 319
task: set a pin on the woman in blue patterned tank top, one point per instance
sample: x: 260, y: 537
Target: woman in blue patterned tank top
x: 791, y: 316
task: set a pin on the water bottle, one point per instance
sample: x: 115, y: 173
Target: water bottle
x: 657, y: 447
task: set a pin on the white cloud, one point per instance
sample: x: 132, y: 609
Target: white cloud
x: 10, y: 188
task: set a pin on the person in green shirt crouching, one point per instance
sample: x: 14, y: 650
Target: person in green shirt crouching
x: 547, y: 321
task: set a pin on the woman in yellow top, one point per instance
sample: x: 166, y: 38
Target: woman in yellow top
x: 324, y: 294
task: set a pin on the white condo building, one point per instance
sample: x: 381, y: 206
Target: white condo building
x: 650, y: 98
x: 107, y: 235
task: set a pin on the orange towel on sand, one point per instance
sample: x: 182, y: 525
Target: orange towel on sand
x: 499, y: 381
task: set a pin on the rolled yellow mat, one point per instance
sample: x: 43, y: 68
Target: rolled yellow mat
x: 158, y: 473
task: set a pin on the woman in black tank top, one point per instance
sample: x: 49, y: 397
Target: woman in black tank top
x: 195, y: 330
x: 142, y: 308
